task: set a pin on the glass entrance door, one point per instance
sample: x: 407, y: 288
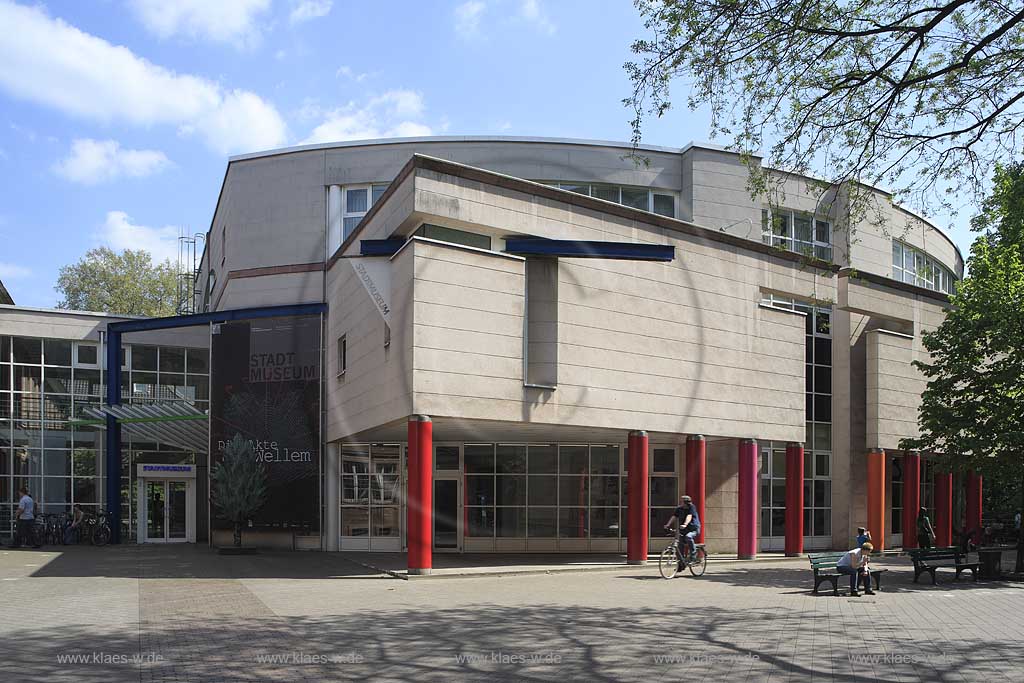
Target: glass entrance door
x: 166, y: 511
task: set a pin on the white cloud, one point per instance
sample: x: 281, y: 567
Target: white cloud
x: 10, y: 271
x: 347, y: 72
x: 222, y: 21
x: 82, y: 75
x: 392, y: 114
x: 304, y: 10
x: 467, y: 18
x: 98, y: 161
x: 532, y: 12
x: 119, y: 233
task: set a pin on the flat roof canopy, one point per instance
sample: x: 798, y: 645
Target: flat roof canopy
x: 178, y: 424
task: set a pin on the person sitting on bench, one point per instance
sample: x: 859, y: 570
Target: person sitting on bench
x: 855, y: 564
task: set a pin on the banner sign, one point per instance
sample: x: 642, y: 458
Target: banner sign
x: 375, y: 274
x: 265, y: 388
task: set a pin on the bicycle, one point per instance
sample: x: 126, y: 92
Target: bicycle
x: 671, y: 559
x: 95, y: 529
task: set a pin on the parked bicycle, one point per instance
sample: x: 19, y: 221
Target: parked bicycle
x: 672, y: 561
x: 94, y: 529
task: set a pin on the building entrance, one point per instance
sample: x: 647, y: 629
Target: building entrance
x: 166, y: 503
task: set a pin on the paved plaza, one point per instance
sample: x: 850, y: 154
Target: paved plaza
x: 183, y: 613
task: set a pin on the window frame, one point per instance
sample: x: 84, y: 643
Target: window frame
x: 941, y: 279
x: 787, y: 239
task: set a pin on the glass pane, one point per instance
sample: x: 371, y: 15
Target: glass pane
x: 604, y: 491
x: 607, y: 192
x: 663, y: 491
x: 541, y: 522
x: 481, y: 522
x: 543, y: 459
x: 28, y: 350
x: 5, y: 349
x: 154, y: 509
x: 478, y: 458
x: 778, y: 463
x: 57, y: 463
x: 638, y: 199
x: 176, y: 509
x: 172, y: 359
x: 511, y: 459
x: 822, y: 231
x: 385, y: 521
x: 572, y: 459
x: 446, y: 457
x: 808, y: 530
x: 541, y: 489
x: 780, y: 225
x: 143, y: 357
x: 480, y: 490
x: 572, y: 522
x: 665, y: 205
x: 198, y: 360
x: 355, y: 521
x: 604, y: 460
x: 27, y: 462
x: 821, y: 465
x: 664, y: 460
x: 908, y: 259
x: 822, y: 494
x: 604, y: 522
x: 356, y: 201
x: 822, y: 408
x: 350, y: 224
x: 823, y: 351
x: 766, y: 522
x: 778, y: 494
x: 802, y: 228
x: 778, y: 522
x: 510, y: 522
x: 446, y: 513
x: 897, y: 255
x: 573, y: 491
x: 823, y: 380
x: 378, y: 192
x: 58, y: 381
x: 823, y: 322
x: 87, y: 383
x: 575, y: 187
x: 823, y: 437
x: 28, y: 379
x: 821, y: 523
x: 385, y: 488
x: 511, y: 490
x: 57, y: 352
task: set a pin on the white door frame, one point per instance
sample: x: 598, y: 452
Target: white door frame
x: 448, y: 475
x: 166, y: 473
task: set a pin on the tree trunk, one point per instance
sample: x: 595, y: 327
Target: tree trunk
x: 238, y: 534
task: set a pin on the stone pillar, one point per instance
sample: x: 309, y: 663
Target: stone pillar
x: 696, y: 477
x: 332, y: 497
x: 747, y: 510
x: 794, y: 499
x: 420, y: 500
x: 943, y: 509
x: 911, y: 497
x: 876, y: 497
x: 638, y: 513
x: 973, y: 501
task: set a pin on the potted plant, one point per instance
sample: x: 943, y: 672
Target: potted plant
x: 239, y: 488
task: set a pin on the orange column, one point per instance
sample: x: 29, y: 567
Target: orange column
x: 876, y: 497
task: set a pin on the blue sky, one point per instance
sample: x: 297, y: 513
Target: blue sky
x: 117, y: 116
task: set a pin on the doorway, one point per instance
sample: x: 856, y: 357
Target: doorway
x: 447, y: 517
x: 167, y: 504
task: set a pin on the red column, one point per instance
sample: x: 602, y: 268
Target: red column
x: 943, y: 509
x: 639, y: 499
x: 794, y: 499
x: 973, y: 501
x: 911, y: 497
x: 876, y: 497
x: 696, y: 477
x: 420, y: 500
x: 746, y: 522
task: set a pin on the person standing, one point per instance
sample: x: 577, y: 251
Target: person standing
x: 25, y: 517
x: 925, y: 532
x: 863, y: 536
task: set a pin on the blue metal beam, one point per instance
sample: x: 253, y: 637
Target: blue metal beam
x: 215, y: 317
x: 381, y: 247
x: 630, y: 251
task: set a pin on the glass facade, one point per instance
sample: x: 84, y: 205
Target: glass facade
x: 45, y: 387
x: 818, y: 441
x: 661, y: 202
x: 915, y: 267
x: 798, y: 232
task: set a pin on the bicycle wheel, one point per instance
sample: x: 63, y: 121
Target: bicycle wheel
x: 101, y: 535
x: 700, y: 563
x: 668, y: 563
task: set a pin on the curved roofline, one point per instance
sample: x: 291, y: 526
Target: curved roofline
x: 472, y: 138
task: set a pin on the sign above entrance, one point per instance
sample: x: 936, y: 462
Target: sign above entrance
x: 168, y: 471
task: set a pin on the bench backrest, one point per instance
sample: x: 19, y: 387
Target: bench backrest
x: 925, y: 554
x: 824, y: 560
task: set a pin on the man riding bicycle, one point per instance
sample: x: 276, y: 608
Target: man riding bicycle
x: 689, y: 525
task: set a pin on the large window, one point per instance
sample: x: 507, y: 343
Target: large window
x: 356, y: 202
x: 371, y: 491
x: 818, y: 441
x: 661, y: 202
x: 798, y: 232
x: 915, y: 267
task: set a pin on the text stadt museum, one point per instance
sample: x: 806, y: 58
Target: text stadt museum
x: 468, y: 344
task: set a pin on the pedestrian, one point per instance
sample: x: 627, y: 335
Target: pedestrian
x: 863, y: 536
x: 72, y: 533
x: 855, y: 564
x: 925, y: 532
x: 25, y: 516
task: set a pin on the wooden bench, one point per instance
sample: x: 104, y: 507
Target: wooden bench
x: 824, y: 567
x: 930, y: 559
